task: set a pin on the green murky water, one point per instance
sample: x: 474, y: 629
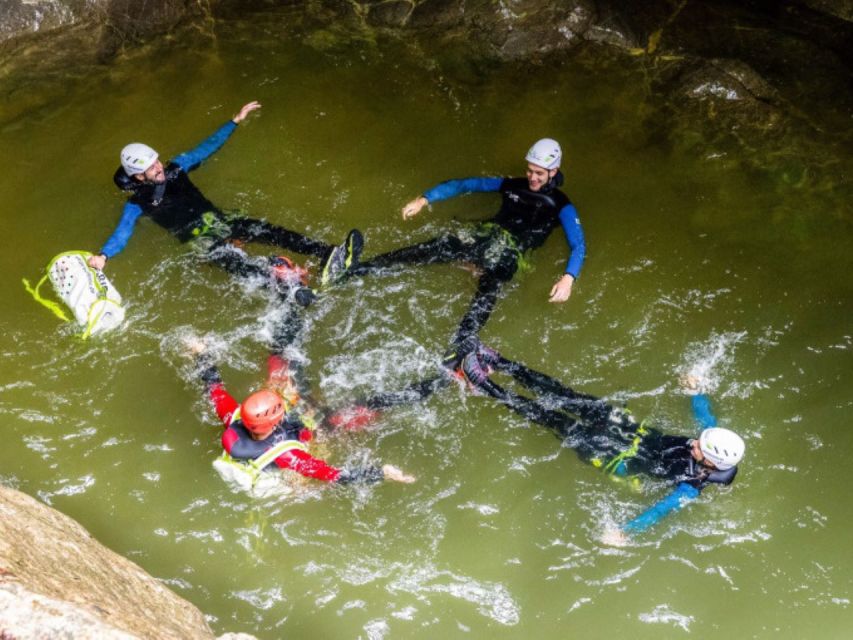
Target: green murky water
x: 693, y: 264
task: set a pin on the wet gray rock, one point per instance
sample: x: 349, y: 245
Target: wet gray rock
x: 839, y: 8
x: 727, y: 80
x: 33, y: 16
x: 391, y: 13
x: 57, y: 581
x: 541, y: 28
x: 437, y: 13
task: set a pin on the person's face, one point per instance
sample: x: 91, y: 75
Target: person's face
x: 538, y: 177
x: 263, y: 435
x: 698, y: 456
x: 154, y: 173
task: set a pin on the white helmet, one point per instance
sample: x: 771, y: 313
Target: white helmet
x: 137, y: 158
x: 722, y: 447
x: 546, y: 153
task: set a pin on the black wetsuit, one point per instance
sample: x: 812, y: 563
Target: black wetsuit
x: 181, y: 208
x: 496, y: 246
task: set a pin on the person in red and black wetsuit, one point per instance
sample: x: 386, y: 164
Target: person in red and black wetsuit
x: 261, y: 422
x: 268, y: 419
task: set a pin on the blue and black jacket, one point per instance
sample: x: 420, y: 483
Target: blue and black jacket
x: 529, y: 216
x: 179, y: 207
x: 673, y: 461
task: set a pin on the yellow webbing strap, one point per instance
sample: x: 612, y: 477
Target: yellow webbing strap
x: 253, y: 468
x: 58, y: 311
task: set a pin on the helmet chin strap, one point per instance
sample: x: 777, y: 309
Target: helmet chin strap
x: 555, y: 182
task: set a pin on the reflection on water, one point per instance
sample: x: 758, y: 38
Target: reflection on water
x: 500, y: 534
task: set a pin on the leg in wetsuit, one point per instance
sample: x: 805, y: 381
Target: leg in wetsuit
x: 488, y: 249
x: 600, y: 431
x: 223, y: 253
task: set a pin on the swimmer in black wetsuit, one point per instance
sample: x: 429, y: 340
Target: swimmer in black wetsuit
x: 612, y: 440
x: 531, y: 208
x: 168, y: 196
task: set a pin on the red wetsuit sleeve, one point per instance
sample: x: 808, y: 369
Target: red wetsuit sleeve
x: 307, y: 465
x: 223, y: 402
x: 229, y: 437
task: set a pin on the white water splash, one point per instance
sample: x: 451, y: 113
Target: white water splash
x: 492, y: 600
x: 260, y: 598
x: 663, y: 614
x: 68, y: 488
x: 708, y: 361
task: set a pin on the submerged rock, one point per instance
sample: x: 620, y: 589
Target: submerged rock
x: 56, y: 581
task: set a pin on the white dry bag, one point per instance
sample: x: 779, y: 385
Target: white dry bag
x: 90, y: 295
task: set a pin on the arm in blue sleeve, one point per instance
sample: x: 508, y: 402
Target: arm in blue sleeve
x: 453, y: 188
x: 574, y: 236
x: 680, y: 496
x: 118, y: 240
x: 702, y: 411
x: 191, y: 159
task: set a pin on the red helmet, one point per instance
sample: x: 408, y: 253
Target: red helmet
x: 262, y: 410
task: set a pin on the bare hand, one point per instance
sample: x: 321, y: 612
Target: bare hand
x: 561, y: 291
x: 194, y: 345
x: 615, y: 538
x: 97, y: 262
x: 414, y: 207
x: 246, y: 110
x: 393, y: 473
x: 691, y: 383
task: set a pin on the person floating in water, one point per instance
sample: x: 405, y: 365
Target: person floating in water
x: 166, y: 194
x: 531, y: 208
x: 612, y: 440
x: 274, y: 426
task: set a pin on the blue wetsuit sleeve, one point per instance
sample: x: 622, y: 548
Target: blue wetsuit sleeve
x: 574, y: 236
x: 191, y: 159
x: 678, y: 498
x: 118, y: 240
x: 453, y: 188
x: 702, y: 411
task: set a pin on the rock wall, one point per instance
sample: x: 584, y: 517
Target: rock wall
x: 57, y: 581
x: 32, y: 16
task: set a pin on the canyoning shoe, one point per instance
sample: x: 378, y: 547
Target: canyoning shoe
x: 474, y: 370
x: 304, y: 296
x: 488, y: 357
x: 342, y: 259
x: 354, y: 418
x: 278, y: 370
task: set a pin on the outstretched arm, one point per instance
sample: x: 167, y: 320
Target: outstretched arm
x: 307, y: 465
x: 190, y: 160
x: 450, y: 189
x: 676, y: 500
x: 703, y: 412
x: 223, y: 402
x: 310, y: 467
x: 119, y: 238
x: 561, y: 291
